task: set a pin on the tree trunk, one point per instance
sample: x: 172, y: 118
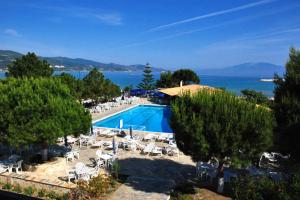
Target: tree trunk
x: 220, y: 176
x: 66, y: 141
x: 45, y: 151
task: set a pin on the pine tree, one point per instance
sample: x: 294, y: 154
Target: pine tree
x: 221, y: 125
x: 39, y: 110
x: 148, y: 80
x: 287, y: 106
x: 29, y: 65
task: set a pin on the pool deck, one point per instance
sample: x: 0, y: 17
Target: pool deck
x: 149, y: 177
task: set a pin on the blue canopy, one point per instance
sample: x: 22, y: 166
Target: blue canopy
x: 136, y: 92
x: 159, y: 95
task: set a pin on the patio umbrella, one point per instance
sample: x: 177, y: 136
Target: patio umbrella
x: 130, y: 132
x: 120, y: 125
x: 114, y: 145
x: 92, y: 130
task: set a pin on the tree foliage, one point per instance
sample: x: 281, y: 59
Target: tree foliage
x: 255, y: 97
x: 39, y: 110
x: 264, y: 188
x: 220, y: 124
x: 75, y: 85
x: 165, y: 80
x: 186, y: 75
x: 111, y: 90
x: 148, y: 80
x: 97, y: 88
x: 127, y: 88
x: 287, y: 106
x: 29, y: 66
x: 169, y: 79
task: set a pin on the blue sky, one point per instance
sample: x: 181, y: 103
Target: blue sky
x: 167, y: 33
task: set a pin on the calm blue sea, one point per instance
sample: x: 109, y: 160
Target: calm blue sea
x: 234, y: 84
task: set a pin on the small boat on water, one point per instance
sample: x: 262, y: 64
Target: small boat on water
x: 267, y: 80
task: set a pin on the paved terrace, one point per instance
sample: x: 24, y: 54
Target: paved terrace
x: 150, y: 177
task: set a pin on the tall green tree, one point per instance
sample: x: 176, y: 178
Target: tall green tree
x: 39, y: 110
x: 29, y: 66
x: 165, y: 80
x: 169, y: 79
x: 221, y: 125
x: 127, y: 88
x: 111, y: 90
x: 75, y: 85
x: 255, y: 97
x: 287, y: 106
x: 97, y: 88
x: 94, y: 85
x: 186, y: 75
x: 148, y: 80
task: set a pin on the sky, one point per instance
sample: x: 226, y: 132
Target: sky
x: 166, y: 33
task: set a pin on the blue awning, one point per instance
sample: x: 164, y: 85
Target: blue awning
x: 159, y: 95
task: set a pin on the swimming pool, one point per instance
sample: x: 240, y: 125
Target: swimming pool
x: 142, y: 117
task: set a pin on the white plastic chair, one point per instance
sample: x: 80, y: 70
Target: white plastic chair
x: 69, y: 156
x: 82, y: 171
x: 75, y: 154
x: 94, y: 171
x: 100, y: 163
x: 18, y: 166
x: 71, y: 175
x: 98, y: 153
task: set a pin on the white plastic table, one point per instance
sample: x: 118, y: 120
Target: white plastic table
x: 105, y: 158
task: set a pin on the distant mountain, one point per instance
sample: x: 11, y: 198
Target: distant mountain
x: 7, y: 57
x: 65, y: 63
x: 260, y: 69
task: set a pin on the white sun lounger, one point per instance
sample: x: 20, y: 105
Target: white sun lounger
x: 156, y: 151
x: 98, y: 144
x: 148, y: 148
x: 150, y: 136
x: 111, y: 133
x: 104, y: 132
x: 163, y: 137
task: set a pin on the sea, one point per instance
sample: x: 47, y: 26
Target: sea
x: 230, y: 83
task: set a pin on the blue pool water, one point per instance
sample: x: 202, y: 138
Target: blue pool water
x: 142, y: 117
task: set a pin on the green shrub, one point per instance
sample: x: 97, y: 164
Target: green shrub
x: 17, y: 188
x: 7, y: 186
x: 65, y: 196
x: 28, y: 191
x: 52, y: 195
x: 184, y: 197
x: 184, y: 191
x: 262, y: 188
x: 96, y: 187
x: 116, y: 169
x: 41, y: 193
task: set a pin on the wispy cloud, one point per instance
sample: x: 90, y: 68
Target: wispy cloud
x: 106, y: 17
x: 11, y: 32
x: 226, y: 23
x: 254, y: 41
x: 212, y: 14
x: 111, y: 19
